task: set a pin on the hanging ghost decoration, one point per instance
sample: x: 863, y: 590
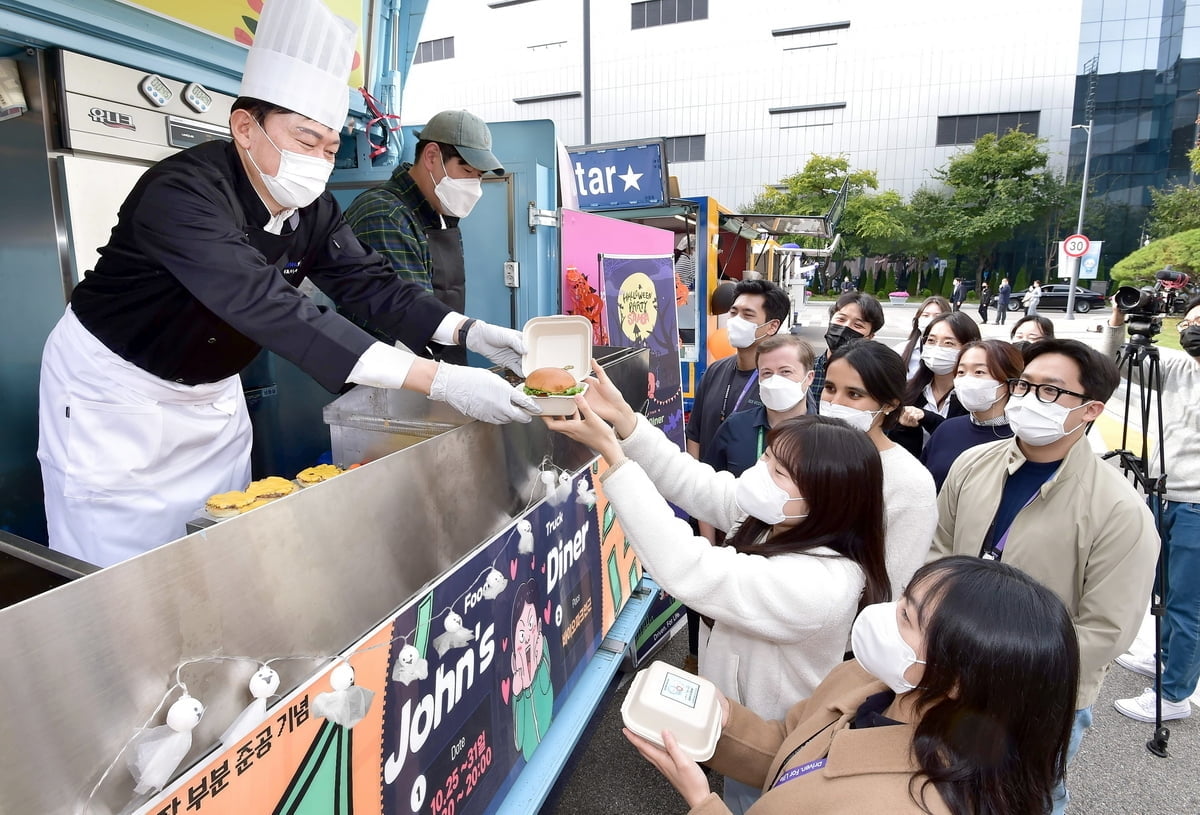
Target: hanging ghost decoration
x: 155, y: 754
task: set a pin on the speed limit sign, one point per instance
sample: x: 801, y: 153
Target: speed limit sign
x: 1076, y: 246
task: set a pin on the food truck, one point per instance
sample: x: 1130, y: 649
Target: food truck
x: 441, y: 618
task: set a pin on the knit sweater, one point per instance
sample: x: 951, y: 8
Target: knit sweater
x: 781, y: 623
x: 1181, y: 412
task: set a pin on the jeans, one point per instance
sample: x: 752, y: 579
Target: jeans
x: 1181, y: 622
x: 1060, y: 798
x: 738, y: 796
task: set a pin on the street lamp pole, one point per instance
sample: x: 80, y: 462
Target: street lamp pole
x: 1087, y: 158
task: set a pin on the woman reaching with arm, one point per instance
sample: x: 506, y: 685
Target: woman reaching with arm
x: 807, y: 553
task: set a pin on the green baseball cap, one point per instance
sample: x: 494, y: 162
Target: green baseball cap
x: 468, y: 134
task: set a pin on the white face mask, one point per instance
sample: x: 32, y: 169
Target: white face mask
x: 300, y: 180
x: 458, y: 195
x: 760, y: 497
x: 780, y: 393
x: 940, y: 360
x: 879, y: 648
x: 977, y: 393
x: 742, y: 332
x: 1038, y: 423
x: 858, y: 419
x: 923, y: 323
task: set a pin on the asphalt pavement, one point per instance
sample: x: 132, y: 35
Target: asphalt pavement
x: 1114, y: 773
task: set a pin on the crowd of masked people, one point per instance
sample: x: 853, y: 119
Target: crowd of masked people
x: 910, y: 570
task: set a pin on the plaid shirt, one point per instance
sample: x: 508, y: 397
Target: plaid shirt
x: 818, y: 383
x: 392, y: 219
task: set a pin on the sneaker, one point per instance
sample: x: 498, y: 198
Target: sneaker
x: 1143, y: 665
x: 1142, y: 707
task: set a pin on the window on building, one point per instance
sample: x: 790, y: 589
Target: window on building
x: 685, y: 148
x: 665, y: 12
x: 433, y: 50
x: 966, y: 129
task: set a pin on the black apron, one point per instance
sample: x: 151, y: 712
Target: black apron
x: 449, y: 277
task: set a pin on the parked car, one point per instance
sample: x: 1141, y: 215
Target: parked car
x: 1054, y: 297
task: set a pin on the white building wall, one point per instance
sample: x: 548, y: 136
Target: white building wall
x: 897, y: 68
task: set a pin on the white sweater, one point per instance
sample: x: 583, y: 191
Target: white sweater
x: 780, y: 624
x: 910, y: 514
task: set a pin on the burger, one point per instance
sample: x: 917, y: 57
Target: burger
x: 228, y: 504
x: 552, y: 382
x: 270, y: 488
x: 315, y: 475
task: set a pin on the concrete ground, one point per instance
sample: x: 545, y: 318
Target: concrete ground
x: 1114, y: 773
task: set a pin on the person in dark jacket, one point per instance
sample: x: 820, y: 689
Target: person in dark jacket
x: 142, y: 415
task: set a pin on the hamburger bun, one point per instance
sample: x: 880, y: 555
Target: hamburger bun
x: 270, y: 488
x: 227, y: 504
x: 315, y: 475
x: 551, y: 382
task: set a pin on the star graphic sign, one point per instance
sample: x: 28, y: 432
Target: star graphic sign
x: 630, y: 178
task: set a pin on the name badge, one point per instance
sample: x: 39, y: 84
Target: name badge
x: 796, y: 772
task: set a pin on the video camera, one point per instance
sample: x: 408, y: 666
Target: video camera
x: 1145, y: 306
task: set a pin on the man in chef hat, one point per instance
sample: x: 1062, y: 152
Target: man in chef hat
x: 412, y: 218
x: 142, y: 415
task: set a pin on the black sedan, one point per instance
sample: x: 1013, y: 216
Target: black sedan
x: 1054, y: 298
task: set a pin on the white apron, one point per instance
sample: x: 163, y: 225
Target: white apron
x: 129, y: 458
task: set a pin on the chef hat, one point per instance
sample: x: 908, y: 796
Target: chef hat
x: 301, y: 60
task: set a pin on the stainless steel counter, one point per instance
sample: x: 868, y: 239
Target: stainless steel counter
x: 87, y: 663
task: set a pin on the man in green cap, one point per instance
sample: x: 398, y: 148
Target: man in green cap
x: 412, y: 218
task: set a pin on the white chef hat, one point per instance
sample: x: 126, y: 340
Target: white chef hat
x: 301, y: 60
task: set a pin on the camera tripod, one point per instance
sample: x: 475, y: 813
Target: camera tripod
x: 1138, y: 362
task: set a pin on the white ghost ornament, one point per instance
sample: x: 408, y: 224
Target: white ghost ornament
x: 524, y: 537
x: 409, y: 666
x: 455, y: 637
x: 263, y: 685
x: 493, y: 584
x: 563, y: 491
x: 154, y: 754
x: 550, y: 484
x: 347, y: 703
x: 583, y: 495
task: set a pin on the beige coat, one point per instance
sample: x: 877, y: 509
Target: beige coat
x: 866, y: 770
x: 1087, y: 536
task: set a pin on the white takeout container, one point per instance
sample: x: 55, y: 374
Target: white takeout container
x: 664, y: 697
x: 560, y: 341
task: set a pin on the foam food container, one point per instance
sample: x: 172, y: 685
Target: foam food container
x: 560, y: 341
x: 664, y: 697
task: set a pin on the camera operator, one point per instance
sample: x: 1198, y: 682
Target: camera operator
x: 1180, y: 637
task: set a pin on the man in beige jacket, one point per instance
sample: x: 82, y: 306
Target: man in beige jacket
x: 1046, y: 504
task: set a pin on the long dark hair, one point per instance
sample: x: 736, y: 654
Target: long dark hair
x: 965, y: 330
x: 997, y: 699
x: 837, y: 470
x: 881, y: 370
x: 914, y: 336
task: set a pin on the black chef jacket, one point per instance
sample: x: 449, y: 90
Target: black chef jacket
x: 190, y: 287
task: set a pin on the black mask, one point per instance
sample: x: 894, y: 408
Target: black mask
x: 1190, y: 340
x: 839, y: 335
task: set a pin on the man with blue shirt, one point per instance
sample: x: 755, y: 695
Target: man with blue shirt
x: 784, y: 373
x: 1046, y: 504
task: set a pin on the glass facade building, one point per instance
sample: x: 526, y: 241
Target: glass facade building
x: 1142, y: 99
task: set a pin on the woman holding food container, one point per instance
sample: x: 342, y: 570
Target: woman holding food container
x: 804, y: 554
x: 960, y: 699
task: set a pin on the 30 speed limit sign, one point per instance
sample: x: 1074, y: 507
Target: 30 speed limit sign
x: 1076, y: 246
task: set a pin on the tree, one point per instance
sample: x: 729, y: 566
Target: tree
x: 1180, y: 251
x: 811, y: 191
x: 1176, y: 209
x: 998, y: 187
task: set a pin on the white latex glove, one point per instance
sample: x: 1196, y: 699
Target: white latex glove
x: 503, y: 346
x: 481, y: 395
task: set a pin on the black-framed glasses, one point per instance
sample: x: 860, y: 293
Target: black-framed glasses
x: 1184, y: 325
x: 1045, y: 393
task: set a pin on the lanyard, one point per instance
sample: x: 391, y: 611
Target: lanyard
x: 781, y: 777
x: 995, y: 550
x: 759, y: 445
x: 725, y: 402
